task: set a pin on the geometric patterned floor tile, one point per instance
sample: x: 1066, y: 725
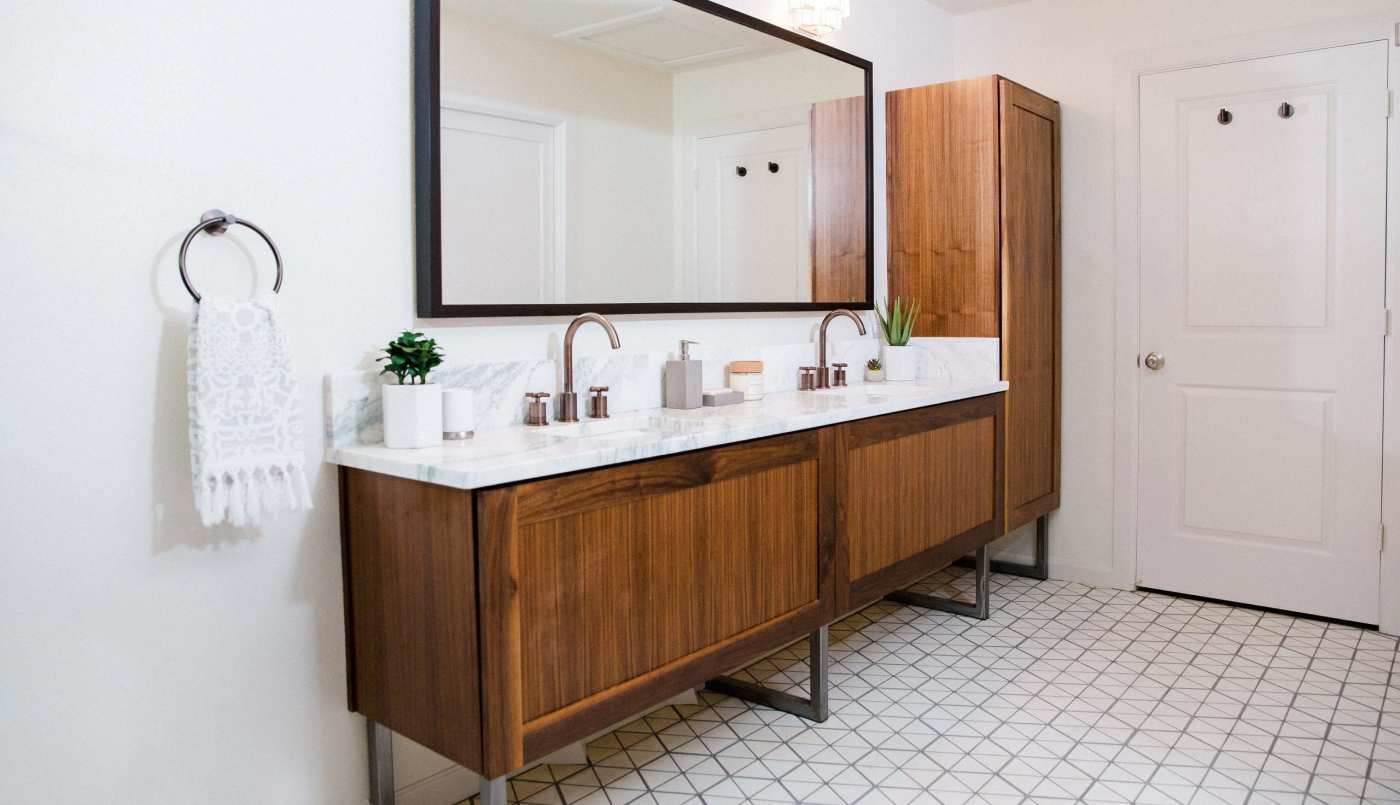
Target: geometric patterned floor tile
x: 1067, y: 693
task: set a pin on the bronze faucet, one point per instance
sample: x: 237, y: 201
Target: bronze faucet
x: 823, y: 373
x: 568, y: 399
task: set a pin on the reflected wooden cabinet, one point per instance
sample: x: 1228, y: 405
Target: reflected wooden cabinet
x: 497, y: 625
x: 974, y: 232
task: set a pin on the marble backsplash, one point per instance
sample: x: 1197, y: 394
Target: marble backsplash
x: 354, y: 414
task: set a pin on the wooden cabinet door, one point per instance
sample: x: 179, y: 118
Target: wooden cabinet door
x: 915, y: 491
x: 608, y: 590
x: 944, y: 235
x: 1030, y: 336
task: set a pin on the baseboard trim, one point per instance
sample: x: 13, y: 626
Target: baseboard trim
x: 1093, y: 576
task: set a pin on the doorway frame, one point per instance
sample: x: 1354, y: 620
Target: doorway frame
x: 1129, y: 70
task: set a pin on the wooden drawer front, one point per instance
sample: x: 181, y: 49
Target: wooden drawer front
x: 593, y: 584
x: 910, y: 488
x: 612, y: 593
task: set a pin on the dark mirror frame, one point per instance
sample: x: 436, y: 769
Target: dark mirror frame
x: 428, y: 201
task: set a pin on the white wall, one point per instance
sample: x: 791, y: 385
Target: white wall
x: 1067, y: 49
x: 145, y: 659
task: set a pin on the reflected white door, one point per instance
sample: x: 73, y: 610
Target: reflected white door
x: 1262, y: 289
x: 501, y: 197
x: 753, y: 242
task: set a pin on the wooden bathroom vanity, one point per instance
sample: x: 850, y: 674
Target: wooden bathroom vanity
x: 495, y: 625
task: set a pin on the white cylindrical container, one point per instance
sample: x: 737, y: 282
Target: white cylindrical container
x: 412, y: 415
x: 458, y: 419
x: 746, y: 377
x: 901, y: 363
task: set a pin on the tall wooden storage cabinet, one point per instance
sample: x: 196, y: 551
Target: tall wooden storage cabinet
x: 974, y: 232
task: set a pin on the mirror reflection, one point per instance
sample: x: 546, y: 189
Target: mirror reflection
x: 644, y: 151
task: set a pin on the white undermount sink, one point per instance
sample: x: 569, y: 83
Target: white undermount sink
x: 621, y: 429
x: 871, y: 390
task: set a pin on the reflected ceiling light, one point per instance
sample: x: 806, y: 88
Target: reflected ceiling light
x: 818, y: 17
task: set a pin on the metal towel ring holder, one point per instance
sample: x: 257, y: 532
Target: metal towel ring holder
x: 217, y: 222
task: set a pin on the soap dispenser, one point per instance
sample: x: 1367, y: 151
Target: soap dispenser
x: 684, y: 379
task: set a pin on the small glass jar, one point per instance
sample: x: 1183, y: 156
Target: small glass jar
x: 746, y: 377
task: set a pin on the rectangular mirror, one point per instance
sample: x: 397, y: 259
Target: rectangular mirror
x: 636, y: 156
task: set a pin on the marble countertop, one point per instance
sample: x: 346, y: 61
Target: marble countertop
x: 522, y: 453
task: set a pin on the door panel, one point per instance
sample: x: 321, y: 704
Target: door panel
x: 500, y: 199
x: 1030, y: 299
x: 754, y: 231
x: 1262, y: 285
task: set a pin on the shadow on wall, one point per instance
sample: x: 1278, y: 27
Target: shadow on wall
x: 177, y: 524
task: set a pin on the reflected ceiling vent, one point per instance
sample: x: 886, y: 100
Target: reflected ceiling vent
x: 667, y: 38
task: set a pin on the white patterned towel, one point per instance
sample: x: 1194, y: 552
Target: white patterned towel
x: 245, y: 413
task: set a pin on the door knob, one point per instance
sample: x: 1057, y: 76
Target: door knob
x: 1154, y: 361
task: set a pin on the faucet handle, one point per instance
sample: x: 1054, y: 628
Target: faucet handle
x: 838, y: 374
x: 806, y: 378
x: 537, y: 410
x: 598, y: 402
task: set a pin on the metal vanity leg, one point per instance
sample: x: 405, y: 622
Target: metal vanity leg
x: 814, y: 708
x: 381, y: 765
x: 495, y: 792
x: 980, y: 609
x: 1039, y: 568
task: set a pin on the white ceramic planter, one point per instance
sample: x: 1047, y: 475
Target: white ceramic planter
x: 412, y: 415
x: 901, y: 363
x: 874, y: 375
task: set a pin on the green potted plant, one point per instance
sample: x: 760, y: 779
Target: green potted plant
x: 897, y: 326
x: 412, y: 406
x: 874, y: 371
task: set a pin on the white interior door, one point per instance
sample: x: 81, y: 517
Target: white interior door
x: 1263, y: 260
x: 501, y: 202
x: 753, y: 242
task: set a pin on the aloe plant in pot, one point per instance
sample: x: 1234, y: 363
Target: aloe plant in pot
x: 413, y: 406
x: 897, y: 325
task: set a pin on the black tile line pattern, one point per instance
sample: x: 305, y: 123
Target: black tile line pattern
x: 1068, y: 693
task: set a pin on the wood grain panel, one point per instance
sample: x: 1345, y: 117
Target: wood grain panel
x: 906, y: 492
x: 931, y: 486
x: 613, y: 593
x: 1031, y: 301
x: 410, y: 573
x: 944, y: 227
x: 499, y: 579
x: 595, y: 489
x: 838, y: 200
x: 581, y: 719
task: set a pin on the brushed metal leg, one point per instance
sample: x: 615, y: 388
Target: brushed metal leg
x: 1038, y: 568
x: 980, y: 608
x: 814, y: 708
x: 495, y: 792
x: 381, y: 764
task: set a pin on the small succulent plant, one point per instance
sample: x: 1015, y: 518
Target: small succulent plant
x: 874, y: 365
x: 897, y: 321
x: 410, y: 358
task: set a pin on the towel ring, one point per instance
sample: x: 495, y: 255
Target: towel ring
x: 217, y: 222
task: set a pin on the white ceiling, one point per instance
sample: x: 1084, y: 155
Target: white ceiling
x: 967, y: 6
x: 658, y: 34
